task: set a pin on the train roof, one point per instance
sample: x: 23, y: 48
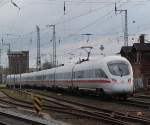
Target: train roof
x: 66, y: 68
x: 97, y: 62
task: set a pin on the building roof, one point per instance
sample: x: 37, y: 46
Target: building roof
x: 142, y: 46
x: 18, y: 52
x: 125, y: 49
x: 138, y: 46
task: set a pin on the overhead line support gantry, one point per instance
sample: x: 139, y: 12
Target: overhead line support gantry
x: 126, y: 25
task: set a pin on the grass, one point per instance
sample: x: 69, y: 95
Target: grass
x: 17, y: 95
x: 2, y: 85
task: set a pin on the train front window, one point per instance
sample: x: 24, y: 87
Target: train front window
x: 118, y: 68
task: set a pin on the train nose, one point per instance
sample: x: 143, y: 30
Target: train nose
x: 123, y: 88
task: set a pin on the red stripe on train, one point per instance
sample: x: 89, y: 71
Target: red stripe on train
x: 92, y: 81
x: 74, y: 81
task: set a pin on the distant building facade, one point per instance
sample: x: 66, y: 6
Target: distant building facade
x: 139, y: 57
x: 18, y: 62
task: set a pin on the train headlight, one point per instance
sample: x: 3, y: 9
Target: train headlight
x: 129, y: 81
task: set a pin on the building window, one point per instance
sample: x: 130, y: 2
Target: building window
x: 138, y: 58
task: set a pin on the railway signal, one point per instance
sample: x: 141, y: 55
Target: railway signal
x: 101, y: 48
x: 37, y: 103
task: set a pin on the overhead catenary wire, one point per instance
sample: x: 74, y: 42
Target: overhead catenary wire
x: 90, y: 24
x: 91, y: 2
x: 33, y: 32
x: 58, y: 23
x: 68, y: 20
x: 80, y: 29
x: 73, y: 18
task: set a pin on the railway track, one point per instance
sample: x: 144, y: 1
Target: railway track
x: 93, y: 112
x: 3, y: 123
x: 82, y: 110
x: 69, y: 109
x: 136, y: 103
x: 12, y: 103
x: 142, y: 96
x: 142, y: 101
x: 8, y: 117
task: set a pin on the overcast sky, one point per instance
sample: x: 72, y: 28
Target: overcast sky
x: 96, y: 17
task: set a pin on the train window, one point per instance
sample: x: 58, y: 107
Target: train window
x: 88, y: 74
x: 79, y: 74
x: 24, y: 78
x: 49, y: 76
x: 59, y: 75
x: 39, y: 77
x: 76, y: 74
x: 99, y: 73
x: 66, y: 75
x: 118, y: 69
x: 84, y: 74
x: 29, y: 78
x: 44, y: 77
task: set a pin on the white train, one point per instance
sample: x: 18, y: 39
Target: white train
x: 110, y: 75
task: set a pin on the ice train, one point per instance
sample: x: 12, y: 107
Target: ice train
x: 111, y: 75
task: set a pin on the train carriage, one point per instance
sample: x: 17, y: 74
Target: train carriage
x: 110, y: 75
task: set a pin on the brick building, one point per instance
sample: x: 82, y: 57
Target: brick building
x: 18, y: 62
x: 139, y: 57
